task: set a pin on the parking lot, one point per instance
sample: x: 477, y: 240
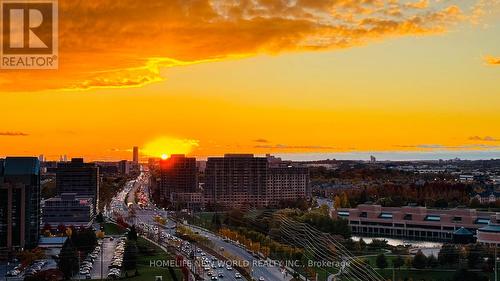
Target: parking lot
x: 108, y: 248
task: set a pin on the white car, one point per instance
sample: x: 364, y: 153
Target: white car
x: 237, y: 275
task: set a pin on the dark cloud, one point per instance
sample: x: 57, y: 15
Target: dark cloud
x: 13, y: 134
x: 261, y: 140
x: 486, y: 138
x: 285, y: 146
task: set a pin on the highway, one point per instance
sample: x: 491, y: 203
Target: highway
x: 143, y: 218
x: 260, y: 268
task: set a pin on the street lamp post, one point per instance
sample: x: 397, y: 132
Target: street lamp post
x: 496, y: 274
x: 102, y: 254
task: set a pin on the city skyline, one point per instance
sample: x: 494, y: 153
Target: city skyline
x: 390, y: 76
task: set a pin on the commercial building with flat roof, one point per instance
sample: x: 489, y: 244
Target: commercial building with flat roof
x: 79, y: 178
x: 490, y: 234
x: 68, y: 209
x: 19, y: 203
x: 412, y: 222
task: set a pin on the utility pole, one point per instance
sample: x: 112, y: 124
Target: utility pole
x: 102, y: 250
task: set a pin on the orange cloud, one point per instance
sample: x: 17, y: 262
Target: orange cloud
x: 114, y: 44
x: 422, y: 4
x: 490, y: 60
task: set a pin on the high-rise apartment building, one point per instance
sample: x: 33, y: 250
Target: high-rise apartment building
x: 19, y: 203
x: 236, y: 180
x: 79, y: 178
x: 178, y: 174
x: 287, y: 183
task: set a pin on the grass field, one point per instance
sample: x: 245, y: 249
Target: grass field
x: 147, y: 272
x: 113, y: 229
x: 427, y: 274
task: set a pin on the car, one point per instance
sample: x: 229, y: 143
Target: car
x: 261, y: 278
x: 209, y: 273
x: 221, y: 275
x: 229, y: 268
x: 87, y: 276
x: 214, y: 278
x: 237, y: 275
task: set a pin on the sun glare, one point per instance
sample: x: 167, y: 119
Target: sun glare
x: 165, y: 146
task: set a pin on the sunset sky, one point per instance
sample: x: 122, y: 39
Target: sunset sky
x: 209, y: 77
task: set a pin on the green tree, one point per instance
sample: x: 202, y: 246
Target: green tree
x: 432, y: 262
x: 419, y: 261
x: 132, y: 234
x: 68, y: 262
x: 216, y: 221
x: 99, y: 218
x: 381, y: 261
x: 474, y: 203
x: 398, y: 262
x: 475, y: 254
x: 448, y: 255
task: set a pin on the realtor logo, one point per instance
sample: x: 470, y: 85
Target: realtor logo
x: 29, y: 34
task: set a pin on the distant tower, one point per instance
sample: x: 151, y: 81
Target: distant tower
x: 135, y: 158
x: 373, y: 159
x: 41, y: 158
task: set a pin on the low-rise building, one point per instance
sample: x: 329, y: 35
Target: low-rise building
x: 412, y: 222
x: 490, y: 234
x: 68, y: 209
x: 486, y: 197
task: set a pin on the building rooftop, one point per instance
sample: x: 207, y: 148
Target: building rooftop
x: 491, y: 228
x: 51, y: 240
x: 462, y: 231
x: 18, y: 166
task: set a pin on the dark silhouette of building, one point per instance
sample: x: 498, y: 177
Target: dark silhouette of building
x: 19, y: 203
x: 79, y: 178
x: 178, y: 174
x: 236, y: 180
x: 135, y: 157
